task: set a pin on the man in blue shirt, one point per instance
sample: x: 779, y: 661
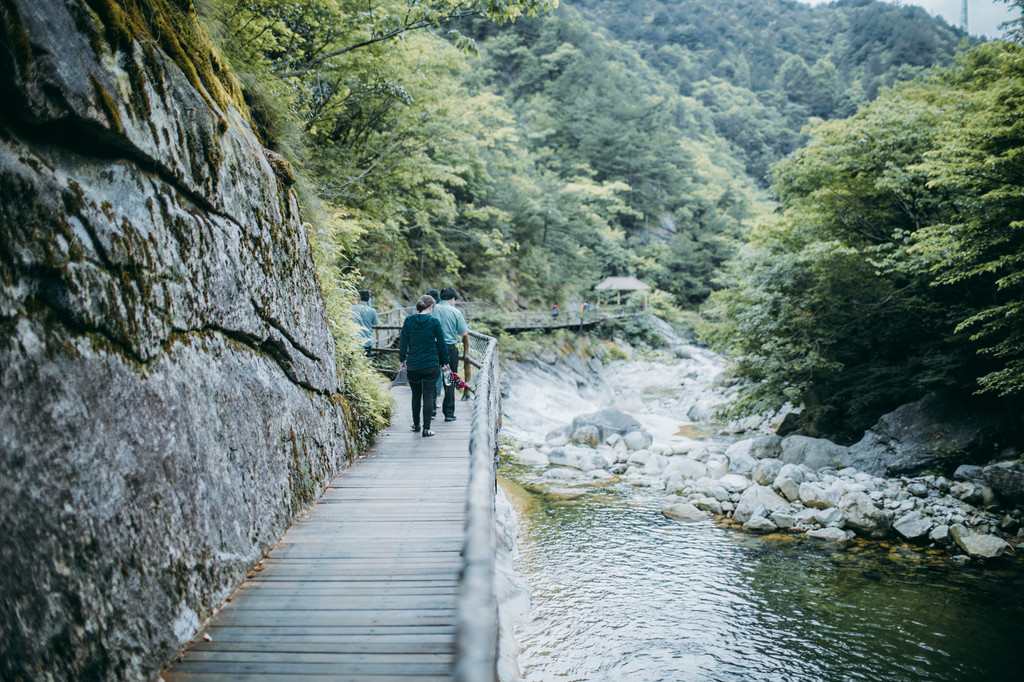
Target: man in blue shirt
x: 365, y: 316
x: 453, y: 324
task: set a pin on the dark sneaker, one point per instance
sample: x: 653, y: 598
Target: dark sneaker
x: 427, y: 433
x: 450, y: 419
x: 415, y: 427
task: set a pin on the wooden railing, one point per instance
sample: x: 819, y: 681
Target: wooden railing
x: 387, y: 331
x: 477, y: 616
x: 389, y: 325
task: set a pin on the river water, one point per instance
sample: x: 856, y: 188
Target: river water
x: 621, y: 593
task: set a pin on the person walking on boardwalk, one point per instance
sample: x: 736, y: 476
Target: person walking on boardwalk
x: 434, y: 294
x: 453, y: 323
x: 365, y: 316
x: 422, y: 353
x: 554, y: 311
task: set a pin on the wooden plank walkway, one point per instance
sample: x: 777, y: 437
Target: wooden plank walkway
x: 364, y: 586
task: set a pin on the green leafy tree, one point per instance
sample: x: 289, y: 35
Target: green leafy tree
x: 596, y: 118
x: 979, y: 163
x: 894, y: 265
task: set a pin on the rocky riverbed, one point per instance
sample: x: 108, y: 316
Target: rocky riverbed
x: 647, y: 422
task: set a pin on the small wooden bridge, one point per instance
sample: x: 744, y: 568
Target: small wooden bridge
x: 385, y: 334
x: 388, y: 577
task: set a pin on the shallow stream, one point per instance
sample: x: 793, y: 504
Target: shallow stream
x: 621, y: 593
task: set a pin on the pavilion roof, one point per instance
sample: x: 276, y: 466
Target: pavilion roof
x: 622, y: 284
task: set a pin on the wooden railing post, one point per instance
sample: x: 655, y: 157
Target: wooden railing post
x: 477, y: 631
x: 466, y: 366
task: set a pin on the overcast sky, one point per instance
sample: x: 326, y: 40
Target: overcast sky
x: 983, y: 16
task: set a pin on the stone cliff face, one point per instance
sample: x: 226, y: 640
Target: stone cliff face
x: 169, y: 388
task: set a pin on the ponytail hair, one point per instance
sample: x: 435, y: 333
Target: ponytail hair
x: 425, y: 302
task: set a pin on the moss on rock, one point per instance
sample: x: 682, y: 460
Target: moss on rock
x: 16, y: 36
x: 177, y: 32
x: 107, y: 105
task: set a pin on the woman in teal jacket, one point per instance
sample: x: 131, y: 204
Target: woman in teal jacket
x: 422, y: 352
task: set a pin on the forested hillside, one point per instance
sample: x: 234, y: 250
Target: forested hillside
x: 592, y: 140
x: 524, y: 150
x: 688, y: 104
x: 764, y: 66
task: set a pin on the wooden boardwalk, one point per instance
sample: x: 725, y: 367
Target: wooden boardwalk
x: 365, y: 585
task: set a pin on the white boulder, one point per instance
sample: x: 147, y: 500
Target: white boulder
x: 829, y: 534
x: 683, y: 511
x: 735, y: 483
x: 757, y: 500
x: 685, y: 467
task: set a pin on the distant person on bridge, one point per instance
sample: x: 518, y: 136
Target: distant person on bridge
x: 453, y: 323
x: 554, y: 312
x: 421, y: 343
x: 365, y: 316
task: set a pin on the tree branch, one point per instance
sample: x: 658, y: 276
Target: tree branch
x: 413, y: 26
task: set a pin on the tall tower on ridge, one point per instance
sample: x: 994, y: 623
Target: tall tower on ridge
x: 963, y: 16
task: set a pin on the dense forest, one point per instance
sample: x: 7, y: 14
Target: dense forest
x: 894, y: 265
x: 838, y: 186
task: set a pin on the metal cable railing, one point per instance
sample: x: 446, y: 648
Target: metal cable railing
x: 477, y: 613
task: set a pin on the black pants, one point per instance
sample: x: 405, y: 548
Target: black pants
x: 448, y: 406
x: 423, y: 383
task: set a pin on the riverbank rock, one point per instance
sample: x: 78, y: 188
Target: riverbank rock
x: 977, y: 545
x: 814, y: 453
x: 913, y: 525
x: 967, y: 472
x: 829, y: 534
x: 973, y: 492
x: 581, y: 458
x: 607, y: 422
x: 685, y: 467
x: 816, y: 495
x: 914, y: 436
x: 766, y: 471
x: 761, y: 447
x: 637, y: 440
x: 740, y: 459
x: 863, y: 516
x: 734, y: 483
x: 532, y: 456
x: 758, y: 500
x: 684, y: 511
x: 587, y: 434
x: 1007, y: 480
x: 759, y: 525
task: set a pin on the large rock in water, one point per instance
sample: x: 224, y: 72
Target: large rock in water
x: 684, y: 511
x: 915, y: 436
x: 170, y: 397
x: 607, y: 421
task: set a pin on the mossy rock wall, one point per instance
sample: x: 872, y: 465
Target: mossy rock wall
x: 170, y: 398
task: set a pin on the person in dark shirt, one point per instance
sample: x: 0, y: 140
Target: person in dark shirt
x: 422, y: 352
